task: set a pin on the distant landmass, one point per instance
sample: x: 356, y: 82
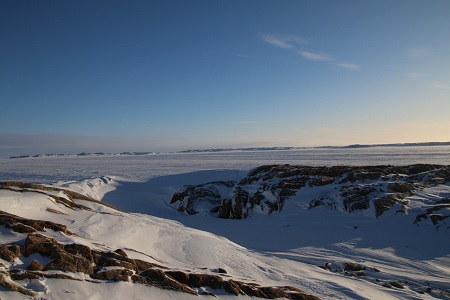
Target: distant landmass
x: 240, y: 149
x: 391, y: 145
x: 86, y: 154
x: 428, y: 144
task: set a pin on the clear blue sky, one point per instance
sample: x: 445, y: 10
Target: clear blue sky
x: 172, y: 75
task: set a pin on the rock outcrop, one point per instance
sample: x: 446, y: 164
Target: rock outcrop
x: 348, y: 188
x: 23, y: 225
x: 115, y: 265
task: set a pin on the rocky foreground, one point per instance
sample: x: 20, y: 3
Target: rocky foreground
x: 348, y: 188
x: 58, y: 259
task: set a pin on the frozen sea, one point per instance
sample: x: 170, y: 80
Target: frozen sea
x: 141, y: 168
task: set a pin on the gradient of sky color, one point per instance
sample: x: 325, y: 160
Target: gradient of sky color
x: 172, y: 75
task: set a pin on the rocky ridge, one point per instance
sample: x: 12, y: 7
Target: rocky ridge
x: 348, y: 188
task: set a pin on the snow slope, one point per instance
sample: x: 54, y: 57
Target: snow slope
x: 179, y: 247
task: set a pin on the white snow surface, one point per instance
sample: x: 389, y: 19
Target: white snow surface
x: 272, y: 250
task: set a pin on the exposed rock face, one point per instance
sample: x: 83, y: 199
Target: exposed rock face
x: 370, y: 274
x: 23, y: 225
x: 438, y: 212
x: 348, y: 188
x: 191, y: 195
x: 67, y: 201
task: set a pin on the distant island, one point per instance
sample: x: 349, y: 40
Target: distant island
x: 427, y: 144
x: 318, y: 147
x: 86, y: 154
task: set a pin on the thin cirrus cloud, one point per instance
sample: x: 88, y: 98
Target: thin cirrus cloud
x: 414, y: 75
x: 416, y: 52
x: 298, y: 43
x: 315, y: 55
x: 283, y: 41
x: 348, y: 66
x: 243, y: 122
x: 439, y: 85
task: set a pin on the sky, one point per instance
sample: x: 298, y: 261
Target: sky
x: 170, y: 75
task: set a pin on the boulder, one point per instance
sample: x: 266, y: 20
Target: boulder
x: 38, y: 243
x: 35, y: 266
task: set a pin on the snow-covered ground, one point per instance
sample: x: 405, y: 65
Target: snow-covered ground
x: 139, y: 168
x: 283, y: 248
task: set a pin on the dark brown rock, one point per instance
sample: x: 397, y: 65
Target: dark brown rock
x: 113, y: 274
x: 401, y: 187
x: 349, y: 266
x: 67, y: 262
x: 112, y: 262
x: 11, y: 286
x: 360, y: 274
x: 283, y: 181
x: 35, y: 266
x: 232, y: 287
x: 199, y: 280
x: 21, y: 228
x: 121, y: 253
x: 9, y: 252
x: 27, y: 274
x: 22, y: 275
x: 225, y: 209
x: 80, y: 250
x: 357, y: 198
x: 142, y: 265
x: 138, y: 279
x: 179, y: 276
x: 383, y: 204
x: 396, y: 284
x: 239, y: 203
x: 24, y: 225
x: 206, y: 293
x: 436, y: 218
x: 159, y: 279
x: 38, y: 243
x: 253, y: 291
x: 321, y: 181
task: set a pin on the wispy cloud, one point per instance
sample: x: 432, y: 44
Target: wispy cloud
x: 416, y: 52
x: 283, y: 41
x: 348, y: 66
x: 244, y: 56
x: 414, y: 75
x: 315, y: 55
x: 243, y: 122
x: 439, y: 85
x: 298, y: 44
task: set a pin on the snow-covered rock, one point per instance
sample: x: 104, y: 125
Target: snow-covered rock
x: 347, y: 188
